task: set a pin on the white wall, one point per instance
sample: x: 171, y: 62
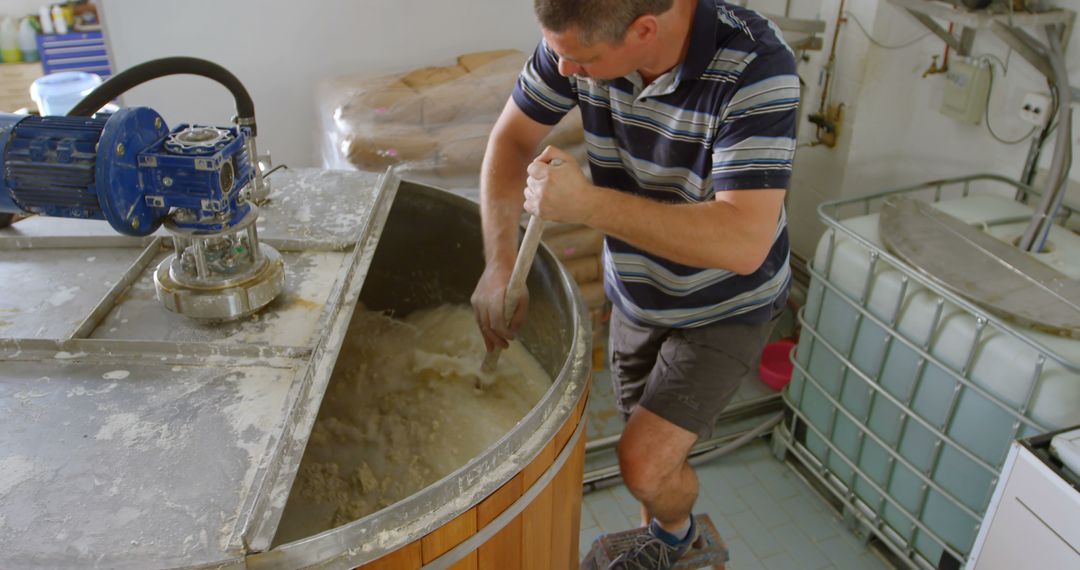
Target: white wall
x: 893, y: 133
x: 20, y: 7
x: 931, y: 144
x: 281, y: 49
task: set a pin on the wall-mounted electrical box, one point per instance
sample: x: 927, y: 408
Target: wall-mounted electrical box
x: 967, y: 86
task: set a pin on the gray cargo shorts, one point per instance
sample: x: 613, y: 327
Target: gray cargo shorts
x: 686, y: 376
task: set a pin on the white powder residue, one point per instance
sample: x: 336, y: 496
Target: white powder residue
x: 303, y: 214
x: 132, y: 431
x: 404, y: 408
x: 15, y: 470
x: 62, y: 296
x: 27, y: 396
x: 68, y: 355
x: 295, y: 314
x: 254, y: 398
x: 116, y: 375
x: 83, y: 391
x: 255, y: 395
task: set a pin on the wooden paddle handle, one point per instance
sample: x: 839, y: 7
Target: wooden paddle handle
x: 529, y: 244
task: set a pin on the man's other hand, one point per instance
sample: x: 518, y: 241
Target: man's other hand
x: 557, y: 190
x: 488, y: 305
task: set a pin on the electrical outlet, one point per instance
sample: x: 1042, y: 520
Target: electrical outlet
x: 1034, y: 108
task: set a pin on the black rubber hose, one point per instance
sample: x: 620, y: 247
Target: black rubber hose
x: 153, y: 69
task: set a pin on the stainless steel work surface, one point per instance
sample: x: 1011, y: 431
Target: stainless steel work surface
x: 303, y: 206
x: 290, y: 320
x: 134, y: 437
x: 123, y: 461
x: 301, y: 211
x: 45, y: 294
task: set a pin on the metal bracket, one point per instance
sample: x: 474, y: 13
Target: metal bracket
x: 1008, y: 27
x: 967, y: 40
x: 961, y: 45
x: 801, y: 34
x: 1032, y: 50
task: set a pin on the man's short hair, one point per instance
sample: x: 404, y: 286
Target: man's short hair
x: 596, y: 20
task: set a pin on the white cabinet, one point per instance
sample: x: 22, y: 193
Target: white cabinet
x: 1033, y: 520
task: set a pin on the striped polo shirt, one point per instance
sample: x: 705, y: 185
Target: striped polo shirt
x: 722, y: 120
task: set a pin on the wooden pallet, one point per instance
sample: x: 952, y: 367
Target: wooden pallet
x: 708, y: 552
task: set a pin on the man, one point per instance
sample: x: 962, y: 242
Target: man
x: 689, y: 109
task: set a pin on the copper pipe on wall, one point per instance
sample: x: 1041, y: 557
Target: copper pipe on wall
x: 840, y: 19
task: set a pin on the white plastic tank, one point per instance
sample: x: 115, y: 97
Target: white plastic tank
x: 58, y: 93
x: 906, y: 396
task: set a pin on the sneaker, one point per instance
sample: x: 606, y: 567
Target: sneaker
x: 650, y: 552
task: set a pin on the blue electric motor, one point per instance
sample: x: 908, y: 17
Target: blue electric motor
x: 126, y: 168
x: 129, y: 169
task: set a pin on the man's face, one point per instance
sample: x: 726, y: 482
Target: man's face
x: 600, y: 60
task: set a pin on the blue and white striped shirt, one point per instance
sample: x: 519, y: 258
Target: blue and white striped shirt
x: 722, y: 120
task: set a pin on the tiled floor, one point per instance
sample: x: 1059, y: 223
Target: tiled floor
x: 769, y: 518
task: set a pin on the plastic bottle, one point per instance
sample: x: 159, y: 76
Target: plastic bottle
x: 46, y: 21
x: 69, y: 15
x: 28, y: 41
x: 58, y: 19
x: 9, y: 41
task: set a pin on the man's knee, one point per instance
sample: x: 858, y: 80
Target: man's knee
x: 643, y: 471
x: 651, y: 451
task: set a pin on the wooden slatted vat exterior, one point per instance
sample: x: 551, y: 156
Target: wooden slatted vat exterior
x: 542, y: 537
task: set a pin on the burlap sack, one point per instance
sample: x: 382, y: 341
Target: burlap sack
x: 461, y: 149
x: 426, y: 77
x: 473, y: 61
x: 438, y: 118
x: 389, y: 146
x: 459, y: 101
x: 396, y: 103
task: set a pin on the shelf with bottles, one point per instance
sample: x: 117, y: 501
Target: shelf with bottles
x: 21, y: 38
x: 18, y: 40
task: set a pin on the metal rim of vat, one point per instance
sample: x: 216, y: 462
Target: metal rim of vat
x: 407, y: 521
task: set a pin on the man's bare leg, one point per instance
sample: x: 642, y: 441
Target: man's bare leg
x: 652, y: 458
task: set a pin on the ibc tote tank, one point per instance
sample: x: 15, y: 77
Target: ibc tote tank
x: 905, y: 395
